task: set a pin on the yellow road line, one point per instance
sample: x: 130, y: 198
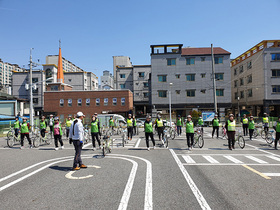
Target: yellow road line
x: 257, y: 172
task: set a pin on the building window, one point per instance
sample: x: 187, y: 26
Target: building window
x: 146, y: 84
x: 105, y: 101
x: 203, y: 91
x: 54, y: 88
x: 61, y: 102
x: 275, y: 56
x: 177, y: 76
x: 162, y: 78
x: 178, y: 92
x: 241, y: 81
x: 115, y: 101
x: 122, y: 86
x: 242, y: 94
x: 79, y: 102
x: 236, y: 95
x: 190, y: 61
x: 141, y: 74
x: 250, y: 93
x: 122, y: 76
x: 146, y: 95
x: 218, y: 60
x: 70, y: 102
x: 35, y: 80
x: 235, y: 83
x: 88, y: 102
x: 276, y: 73
x: 190, y: 93
x: 203, y: 75
x: 69, y: 80
x: 219, y: 76
x: 220, y: 92
x: 97, y: 101
x: 162, y: 93
x: 35, y: 100
x: 202, y: 59
x: 123, y: 101
x: 137, y: 94
x: 190, y: 77
x: 249, y: 65
x: 249, y: 79
x: 276, y: 89
x: 171, y: 62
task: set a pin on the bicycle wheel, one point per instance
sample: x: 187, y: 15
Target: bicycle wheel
x: 255, y: 133
x: 123, y: 140
x: 103, y: 150
x: 10, y: 142
x: 172, y: 134
x: 269, y: 138
x: 48, y: 139
x: 166, y: 141
x: 241, y: 142
x: 263, y: 134
x: 200, y: 141
x: 10, y: 135
x: 36, y: 142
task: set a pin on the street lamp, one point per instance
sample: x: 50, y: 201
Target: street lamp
x: 170, y: 85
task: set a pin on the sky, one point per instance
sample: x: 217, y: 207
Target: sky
x: 91, y: 31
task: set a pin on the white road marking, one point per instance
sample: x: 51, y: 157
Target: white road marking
x: 229, y: 157
x: 273, y: 157
x: 210, y: 159
x: 138, y: 142
x: 188, y: 159
x: 129, y: 185
x: 69, y: 175
x: 256, y: 159
x: 228, y: 164
x: 201, y: 200
x: 259, y: 149
x: 86, y: 145
x: 272, y: 174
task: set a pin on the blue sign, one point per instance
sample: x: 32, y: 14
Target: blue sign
x: 208, y: 116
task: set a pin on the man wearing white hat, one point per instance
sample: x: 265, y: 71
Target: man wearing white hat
x: 76, y: 134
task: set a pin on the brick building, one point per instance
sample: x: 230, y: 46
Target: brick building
x: 64, y: 103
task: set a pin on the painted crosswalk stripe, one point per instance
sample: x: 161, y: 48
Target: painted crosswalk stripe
x: 232, y: 159
x: 272, y: 174
x: 210, y: 159
x: 256, y: 159
x: 188, y: 159
x: 273, y: 157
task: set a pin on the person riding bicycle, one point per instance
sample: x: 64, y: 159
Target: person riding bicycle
x: 16, y: 126
x: 200, y: 123
x: 276, y: 127
x: 265, y: 123
x: 245, y: 125
x: 148, y: 126
x: 95, y: 132
x: 43, y: 126
x: 251, y: 127
x: 230, y: 127
x: 129, y: 124
x: 24, y: 132
x: 68, y: 124
x: 179, y: 125
x: 215, y: 124
x: 134, y: 125
x: 189, y: 132
x: 160, y: 127
x: 57, y: 133
x: 51, y: 121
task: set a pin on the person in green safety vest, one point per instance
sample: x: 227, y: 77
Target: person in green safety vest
x: 24, y: 132
x: 111, y: 123
x: 251, y: 127
x: 129, y: 124
x: 265, y: 123
x: 276, y: 127
x: 57, y: 133
x: 230, y: 127
x: 43, y: 126
x: 68, y: 124
x: 215, y: 125
x: 245, y: 125
x: 95, y: 132
x: 51, y: 121
x: 148, y: 126
x: 134, y: 125
x: 16, y: 126
x: 159, y: 126
x: 200, y: 123
x: 179, y: 125
x: 189, y: 132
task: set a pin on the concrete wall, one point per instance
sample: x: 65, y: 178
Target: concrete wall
x: 128, y: 80
x: 138, y: 83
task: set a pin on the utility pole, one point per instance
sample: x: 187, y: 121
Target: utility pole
x: 31, y: 93
x: 170, y: 118
x: 214, y: 80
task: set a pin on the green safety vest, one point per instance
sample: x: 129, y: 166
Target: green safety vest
x: 231, y: 125
x: 24, y: 128
x: 265, y: 119
x: 134, y: 123
x: 94, y: 127
x: 148, y: 127
x: 245, y: 121
x: 179, y: 122
x: 129, y: 122
x: 69, y: 123
x: 16, y: 124
x: 111, y: 122
x: 251, y: 124
x: 43, y: 125
x: 278, y: 127
x: 200, y: 121
x: 159, y: 123
x: 216, y: 122
x: 189, y: 127
x: 60, y: 129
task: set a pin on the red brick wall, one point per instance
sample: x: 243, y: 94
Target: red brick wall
x: 52, y: 102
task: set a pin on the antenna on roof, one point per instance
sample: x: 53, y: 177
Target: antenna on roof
x: 59, y: 43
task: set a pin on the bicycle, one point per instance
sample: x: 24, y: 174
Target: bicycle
x: 269, y: 137
x: 239, y: 138
x: 198, y: 138
x: 86, y: 134
x: 107, y: 145
x: 38, y: 139
x: 256, y: 133
x: 11, y: 138
x: 263, y: 133
x: 165, y: 138
x: 124, y: 136
x: 224, y: 133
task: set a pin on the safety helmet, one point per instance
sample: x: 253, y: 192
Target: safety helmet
x: 189, y: 116
x: 231, y: 115
x: 56, y: 118
x: 216, y: 115
x: 251, y: 117
x: 179, y: 115
x: 79, y: 114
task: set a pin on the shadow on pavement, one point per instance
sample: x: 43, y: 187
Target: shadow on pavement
x: 61, y: 168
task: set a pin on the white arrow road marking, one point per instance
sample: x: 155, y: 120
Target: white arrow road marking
x: 69, y: 175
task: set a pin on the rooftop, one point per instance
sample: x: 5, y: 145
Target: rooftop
x: 204, y: 51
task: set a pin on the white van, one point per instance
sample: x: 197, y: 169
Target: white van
x: 104, y: 119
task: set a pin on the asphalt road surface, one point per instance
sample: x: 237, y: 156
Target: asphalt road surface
x: 131, y: 177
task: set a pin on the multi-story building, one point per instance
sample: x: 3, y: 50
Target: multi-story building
x: 187, y: 73
x: 68, y: 66
x: 107, y: 81
x: 256, y: 79
x: 81, y: 80
x: 120, y: 61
